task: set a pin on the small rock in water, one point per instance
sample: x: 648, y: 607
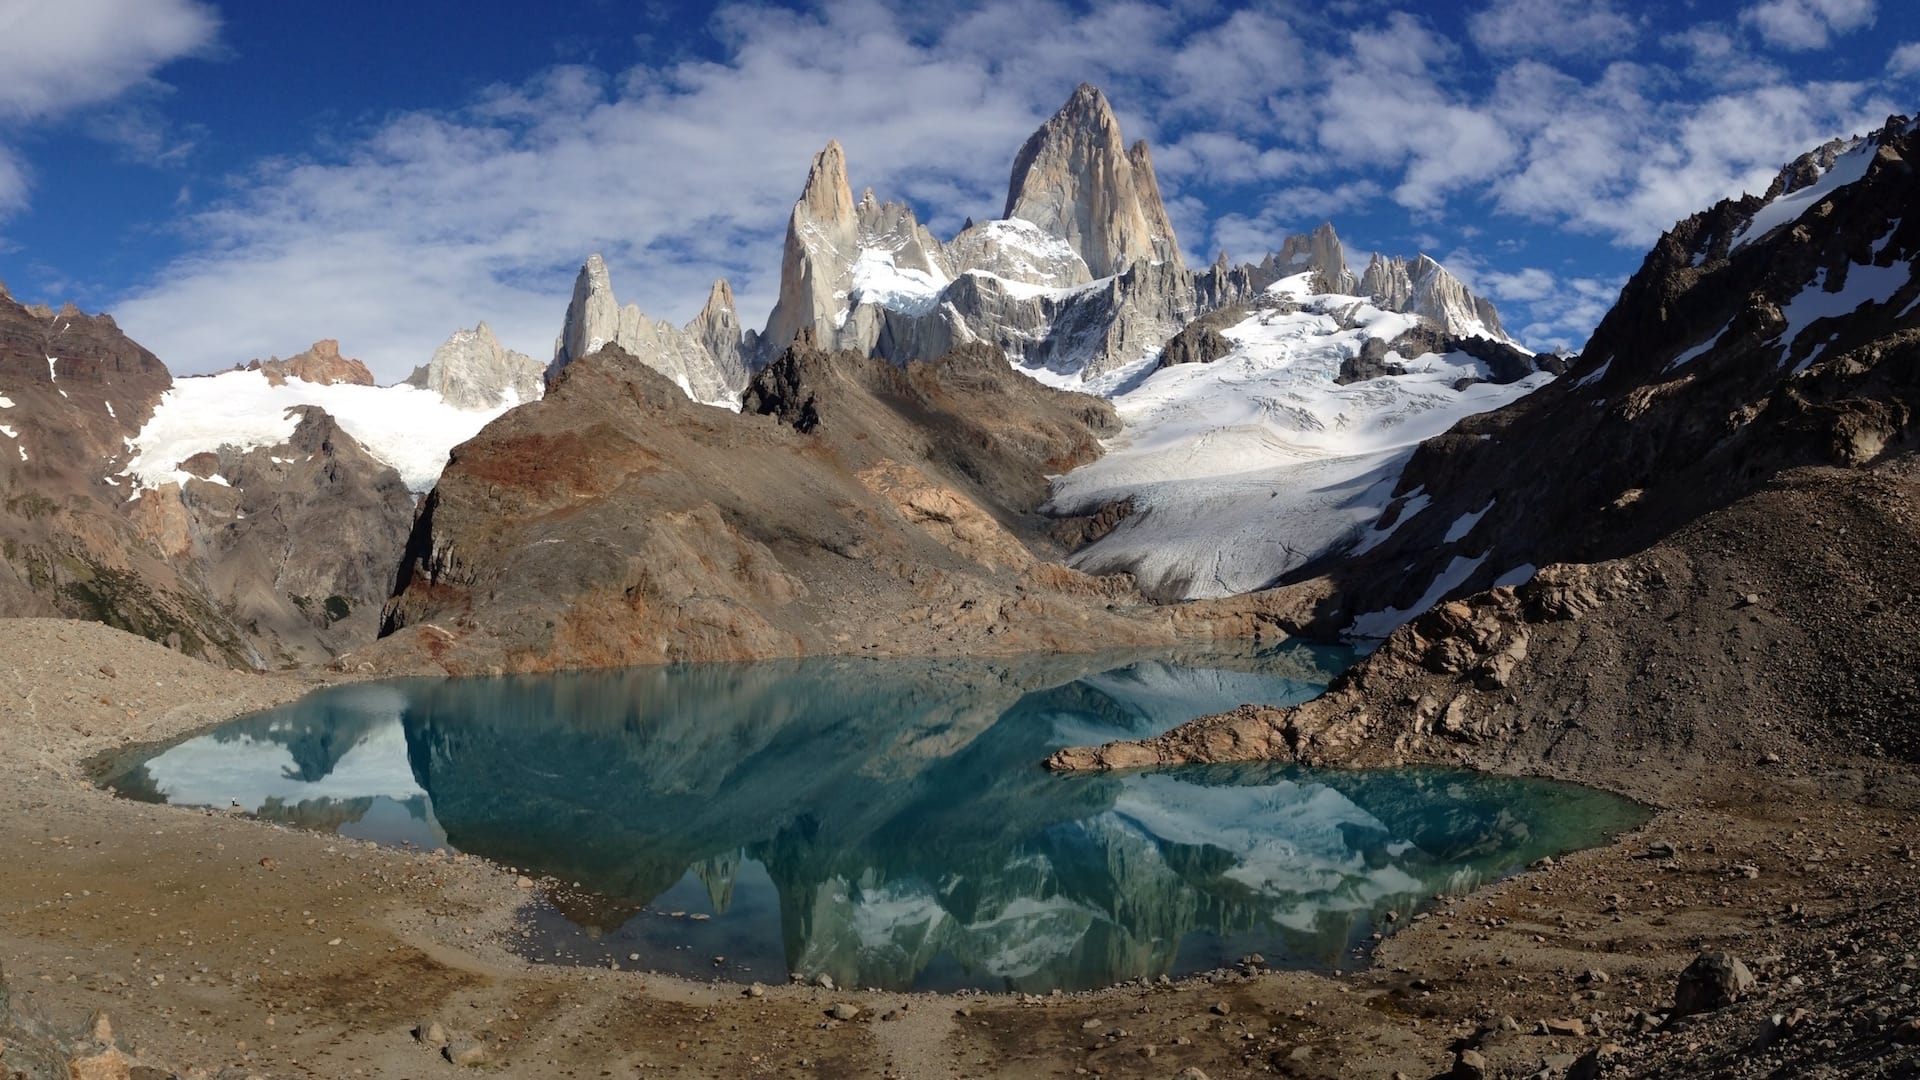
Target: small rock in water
x: 523, y: 882
x: 824, y: 981
x: 754, y: 991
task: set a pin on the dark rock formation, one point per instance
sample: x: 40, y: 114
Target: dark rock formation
x: 855, y: 505
x: 1690, y: 395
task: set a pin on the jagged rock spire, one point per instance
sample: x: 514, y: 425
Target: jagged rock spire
x: 1426, y: 288
x: 705, y: 357
x: 593, y: 315
x: 823, y: 238
x: 1076, y: 179
x: 1321, y: 252
x: 472, y: 370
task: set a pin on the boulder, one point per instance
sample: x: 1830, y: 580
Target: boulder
x: 1714, y: 980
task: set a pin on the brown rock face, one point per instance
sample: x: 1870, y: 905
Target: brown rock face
x: 854, y: 506
x: 299, y: 542
x: 322, y: 364
x: 1738, y: 638
x: 75, y: 388
x: 1077, y: 179
x: 255, y: 563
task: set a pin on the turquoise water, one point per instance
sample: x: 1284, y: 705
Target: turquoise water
x: 885, y: 822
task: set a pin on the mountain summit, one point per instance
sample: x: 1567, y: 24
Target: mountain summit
x: 1082, y: 283
x: 1078, y: 181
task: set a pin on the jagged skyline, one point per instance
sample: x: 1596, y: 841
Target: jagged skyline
x: 1534, y: 150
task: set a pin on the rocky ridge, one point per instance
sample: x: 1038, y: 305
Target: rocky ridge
x: 1078, y: 180
x: 1081, y: 283
x: 706, y: 358
x: 853, y: 506
x: 321, y: 365
x: 1755, y: 338
x: 472, y: 370
x: 260, y: 557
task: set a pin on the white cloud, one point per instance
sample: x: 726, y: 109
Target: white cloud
x: 1566, y: 318
x: 1527, y: 285
x: 682, y: 173
x: 1807, y: 24
x: 1905, y: 61
x: 13, y: 184
x: 1288, y: 210
x: 1611, y: 157
x: 1719, y: 57
x: 1568, y: 28
x: 1384, y: 106
x: 59, y: 56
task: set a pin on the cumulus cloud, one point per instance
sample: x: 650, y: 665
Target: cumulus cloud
x: 1289, y: 210
x: 1567, y: 28
x: 60, y: 56
x: 1807, y: 24
x: 1385, y: 106
x: 1716, y: 55
x: 682, y: 172
x: 1905, y: 61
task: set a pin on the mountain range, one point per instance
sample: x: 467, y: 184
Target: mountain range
x: 1045, y: 432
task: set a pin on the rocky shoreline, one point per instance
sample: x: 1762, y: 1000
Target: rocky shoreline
x: 224, y: 946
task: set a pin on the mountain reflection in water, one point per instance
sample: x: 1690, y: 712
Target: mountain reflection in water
x: 885, y: 822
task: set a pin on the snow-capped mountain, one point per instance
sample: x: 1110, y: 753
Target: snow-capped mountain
x: 1759, y: 335
x: 1286, y: 446
x: 1081, y: 283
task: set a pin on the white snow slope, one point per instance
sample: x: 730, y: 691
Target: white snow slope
x: 406, y: 427
x: 1258, y: 462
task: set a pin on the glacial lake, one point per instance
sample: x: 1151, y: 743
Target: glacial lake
x: 885, y: 822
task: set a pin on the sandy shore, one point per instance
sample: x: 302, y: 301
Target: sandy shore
x: 216, y: 942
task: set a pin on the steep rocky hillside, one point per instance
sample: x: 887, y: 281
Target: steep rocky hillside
x: 1734, y: 641
x: 253, y: 552
x: 854, y: 505
x: 73, y: 390
x: 1759, y: 335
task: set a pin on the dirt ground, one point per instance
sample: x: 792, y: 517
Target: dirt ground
x: 218, y: 943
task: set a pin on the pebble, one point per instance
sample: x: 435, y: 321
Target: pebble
x: 844, y: 1010
x: 1221, y: 1008
x: 523, y: 883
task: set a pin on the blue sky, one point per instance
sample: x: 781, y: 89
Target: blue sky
x: 237, y: 180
